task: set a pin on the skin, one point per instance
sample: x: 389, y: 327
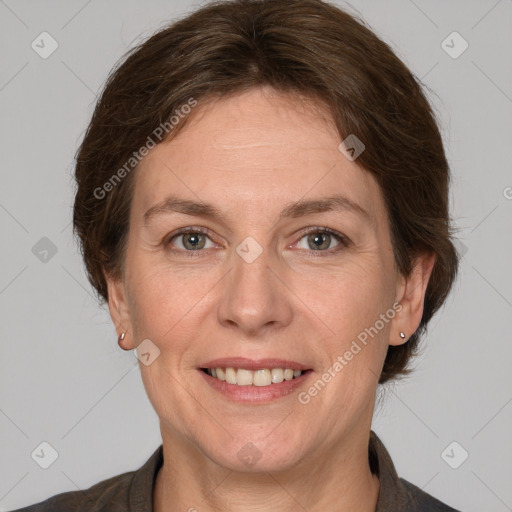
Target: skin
x: 251, y: 155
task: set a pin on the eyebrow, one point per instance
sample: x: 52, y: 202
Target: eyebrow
x: 301, y: 208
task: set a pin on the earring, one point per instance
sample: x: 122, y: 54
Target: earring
x: 402, y: 335
x: 120, y: 340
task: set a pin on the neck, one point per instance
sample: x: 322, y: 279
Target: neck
x: 335, y: 479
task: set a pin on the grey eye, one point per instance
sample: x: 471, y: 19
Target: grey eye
x: 191, y: 241
x: 318, y: 241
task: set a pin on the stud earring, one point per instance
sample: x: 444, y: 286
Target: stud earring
x: 402, y: 335
x: 120, y: 340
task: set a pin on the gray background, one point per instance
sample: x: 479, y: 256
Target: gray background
x: 63, y: 379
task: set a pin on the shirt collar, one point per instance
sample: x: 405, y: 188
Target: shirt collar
x: 392, y: 494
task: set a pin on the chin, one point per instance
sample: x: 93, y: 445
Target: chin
x: 262, y: 454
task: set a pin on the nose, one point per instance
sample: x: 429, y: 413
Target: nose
x: 254, y: 297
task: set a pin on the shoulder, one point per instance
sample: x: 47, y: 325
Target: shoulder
x: 397, y: 494
x: 420, y: 501
x: 111, y: 495
x: 130, y: 491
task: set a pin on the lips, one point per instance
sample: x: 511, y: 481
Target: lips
x: 255, y: 386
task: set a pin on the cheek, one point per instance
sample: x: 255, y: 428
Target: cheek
x: 347, y: 295
x: 165, y: 301
x: 352, y: 308
x: 357, y: 335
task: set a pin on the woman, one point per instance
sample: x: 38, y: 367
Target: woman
x: 262, y: 201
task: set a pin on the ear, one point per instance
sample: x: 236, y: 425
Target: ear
x: 120, y: 311
x: 411, y: 296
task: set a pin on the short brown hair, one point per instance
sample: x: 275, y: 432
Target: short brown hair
x: 309, y: 47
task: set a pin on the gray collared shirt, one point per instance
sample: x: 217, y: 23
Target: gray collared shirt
x: 133, y: 491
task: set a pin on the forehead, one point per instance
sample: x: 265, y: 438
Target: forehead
x: 259, y: 146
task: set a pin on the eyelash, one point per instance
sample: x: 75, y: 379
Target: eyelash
x: 343, y: 241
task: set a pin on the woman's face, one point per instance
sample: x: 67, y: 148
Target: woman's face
x: 260, y: 281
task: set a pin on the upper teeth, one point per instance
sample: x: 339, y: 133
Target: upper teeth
x: 263, y: 377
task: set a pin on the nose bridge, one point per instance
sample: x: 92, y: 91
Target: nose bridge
x: 253, y: 297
